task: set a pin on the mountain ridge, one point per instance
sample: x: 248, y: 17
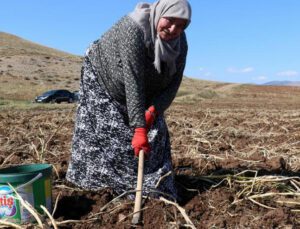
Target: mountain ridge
x: 283, y: 83
x: 14, y: 45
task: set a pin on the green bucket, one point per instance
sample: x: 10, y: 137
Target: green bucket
x: 33, y: 183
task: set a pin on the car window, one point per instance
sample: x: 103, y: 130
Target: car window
x: 58, y: 93
x: 47, y: 93
x: 65, y: 93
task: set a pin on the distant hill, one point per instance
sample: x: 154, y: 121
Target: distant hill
x: 283, y: 83
x: 27, y: 68
x: 13, y: 45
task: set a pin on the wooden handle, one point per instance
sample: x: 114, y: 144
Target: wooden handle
x: 139, y: 190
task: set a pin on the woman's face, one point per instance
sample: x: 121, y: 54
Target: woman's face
x: 169, y: 28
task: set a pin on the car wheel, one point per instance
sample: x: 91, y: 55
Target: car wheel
x: 53, y: 101
x: 70, y: 100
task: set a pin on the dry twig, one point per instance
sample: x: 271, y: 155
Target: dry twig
x: 55, y: 205
x: 50, y: 216
x: 182, y: 211
x: 9, y: 224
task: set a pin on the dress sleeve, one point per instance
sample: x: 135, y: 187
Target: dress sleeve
x: 132, y: 56
x: 164, y: 100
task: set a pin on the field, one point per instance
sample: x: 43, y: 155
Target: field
x: 236, y: 159
x: 235, y: 148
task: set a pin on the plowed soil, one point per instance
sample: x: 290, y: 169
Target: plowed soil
x: 237, y: 165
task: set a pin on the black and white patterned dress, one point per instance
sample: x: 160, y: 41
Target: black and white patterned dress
x: 108, y: 113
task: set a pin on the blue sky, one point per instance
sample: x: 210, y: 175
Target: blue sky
x: 243, y: 41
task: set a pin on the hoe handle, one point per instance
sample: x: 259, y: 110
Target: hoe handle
x: 139, y: 190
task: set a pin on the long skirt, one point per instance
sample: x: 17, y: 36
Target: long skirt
x: 102, y: 155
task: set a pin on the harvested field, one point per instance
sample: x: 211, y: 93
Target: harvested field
x: 236, y: 159
x: 236, y: 148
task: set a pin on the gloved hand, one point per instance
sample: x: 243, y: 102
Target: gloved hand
x: 150, y: 116
x: 140, y: 141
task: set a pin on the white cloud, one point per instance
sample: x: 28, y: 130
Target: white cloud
x: 240, y: 70
x: 249, y: 69
x: 288, y: 73
x: 205, y: 72
x: 260, y: 78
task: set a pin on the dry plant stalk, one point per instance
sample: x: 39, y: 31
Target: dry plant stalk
x: 7, y: 159
x: 116, y: 198
x: 43, y: 143
x: 162, y: 177
x: 251, y: 188
x: 75, y: 221
x: 182, y: 211
x: 129, y: 215
x: 55, y: 205
x: 260, y: 204
x: 9, y: 224
x: 50, y: 217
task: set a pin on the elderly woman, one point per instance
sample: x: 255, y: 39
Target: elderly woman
x: 129, y: 77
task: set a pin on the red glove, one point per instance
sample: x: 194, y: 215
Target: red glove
x: 140, y: 141
x: 150, y: 116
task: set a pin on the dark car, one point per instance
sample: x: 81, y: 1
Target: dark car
x: 55, y: 96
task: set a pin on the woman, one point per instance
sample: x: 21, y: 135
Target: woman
x: 130, y: 76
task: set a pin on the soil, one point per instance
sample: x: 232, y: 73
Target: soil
x: 218, y: 145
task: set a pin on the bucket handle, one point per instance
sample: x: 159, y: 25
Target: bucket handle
x: 26, y: 184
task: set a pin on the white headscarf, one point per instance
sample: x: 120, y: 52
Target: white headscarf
x: 147, y: 16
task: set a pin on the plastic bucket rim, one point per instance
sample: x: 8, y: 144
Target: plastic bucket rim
x: 23, y: 172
